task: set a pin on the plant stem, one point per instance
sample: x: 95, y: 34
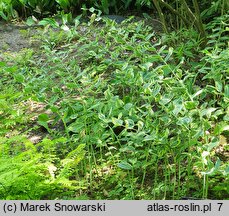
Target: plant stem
x: 161, y: 15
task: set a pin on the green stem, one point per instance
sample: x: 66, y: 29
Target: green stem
x: 161, y: 15
x: 176, y: 12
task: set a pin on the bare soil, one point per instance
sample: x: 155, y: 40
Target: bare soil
x: 14, y: 38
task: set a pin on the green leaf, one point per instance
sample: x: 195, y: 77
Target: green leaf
x: 184, y: 120
x: 155, y: 58
x: 169, y: 54
x: 212, y: 144
x: 209, y: 172
x: 49, y: 21
x: 219, y: 86
x: 140, y: 125
x: 226, y: 91
x: 76, y: 127
x: 2, y: 64
x: 129, y: 123
x: 217, y: 164
x: 43, y: 120
x: 65, y: 28
x: 166, y: 99
x: 44, y: 124
x: 19, y: 78
x: 92, y: 9
x: 149, y: 138
x: 3, y: 15
x: 117, y: 122
x: 197, y: 93
x: 54, y: 108
x: 178, y: 106
x: 64, y: 4
x: 147, y: 65
x: 125, y: 165
x: 191, y: 104
x: 156, y: 89
x: 213, y: 169
x: 127, y: 149
x: 128, y: 106
x: 43, y: 117
x: 30, y: 21
x: 208, y: 112
x: 226, y: 171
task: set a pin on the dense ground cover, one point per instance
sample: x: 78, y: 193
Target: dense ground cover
x: 108, y: 111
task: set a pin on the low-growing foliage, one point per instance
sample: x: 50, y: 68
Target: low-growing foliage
x: 119, y: 115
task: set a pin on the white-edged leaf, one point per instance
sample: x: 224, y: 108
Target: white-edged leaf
x: 125, y: 165
x: 197, y: 93
x: 169, y: 54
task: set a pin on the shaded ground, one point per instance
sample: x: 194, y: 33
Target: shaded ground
x: 13, y: 38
